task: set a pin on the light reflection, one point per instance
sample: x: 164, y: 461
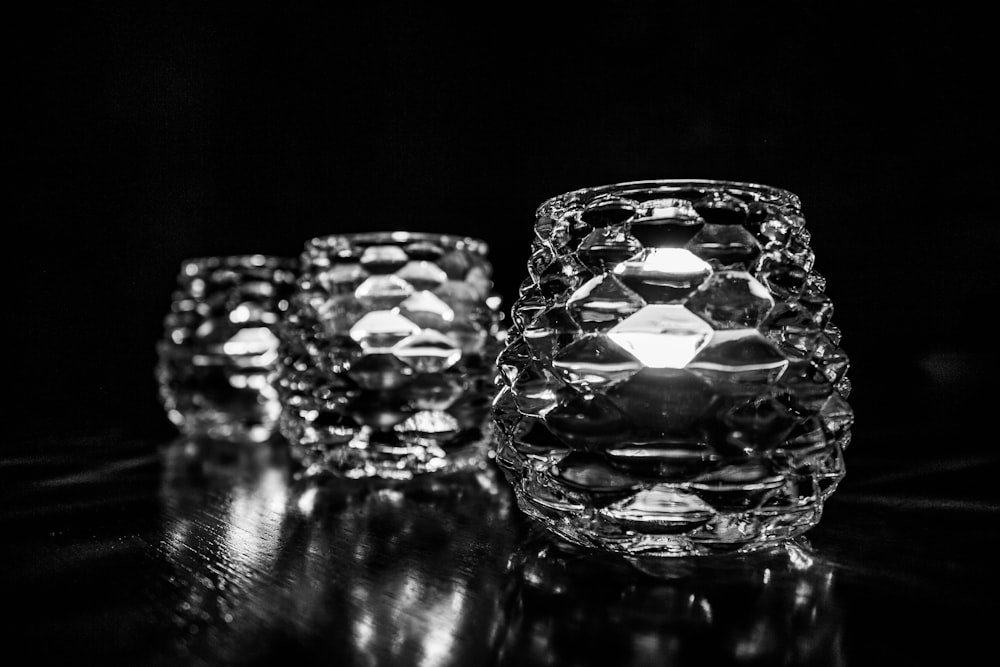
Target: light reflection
x: 366, y: 572
x: 251, y: 341
x: 567, y: 605
x: 397, y: 560
x: 440, y: 639
x: 665, y: 263
x: 224, y: 506
x: 662, y: 336
x: 253, y: 525
x: 307, y: 501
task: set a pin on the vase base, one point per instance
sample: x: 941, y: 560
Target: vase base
x: 722, y: 533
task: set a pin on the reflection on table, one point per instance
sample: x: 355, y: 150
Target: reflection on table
x: 569, y: 606
x: 365, y: 572
x: 210, y: 555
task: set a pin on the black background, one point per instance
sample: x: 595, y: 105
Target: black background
x: 142, y: 136
x: 146, y: 136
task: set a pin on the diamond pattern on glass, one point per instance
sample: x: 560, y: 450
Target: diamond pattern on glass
x: 661, y: 509
x: 383, y: 258
x: 725, y: 245
x: 550, y: 331
x: 426, y: 310
x: 409, y: 323
x: 731, y: 300
x: 602, y: 302
x: 595, y: 360
x: 672, y: 382
x: 380, y: 330
x: 587, y: 421
x: 664, y: 402
x: 740, y: 355
x: 428, y: 351
x: 607, y: 247
x: 663, y: 275
x: 538, y: 391
x: 422, y: 275
x: 662, y: 336
x: 675, y: 210
x: 382, y: 291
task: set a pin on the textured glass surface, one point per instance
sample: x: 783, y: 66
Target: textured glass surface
x: 671, y: 382
x: 387, y: 355
x: 218, y: 354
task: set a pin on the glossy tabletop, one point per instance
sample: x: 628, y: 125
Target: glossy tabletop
x: 168, y: 551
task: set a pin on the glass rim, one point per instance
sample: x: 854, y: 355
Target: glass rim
x: 192, y: 266
x: 769, y: 193
x: 452, y: 241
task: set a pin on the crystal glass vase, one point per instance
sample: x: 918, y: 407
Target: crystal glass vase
x: 387, y: 357
x: 671, y: 382
x: 219, y: 349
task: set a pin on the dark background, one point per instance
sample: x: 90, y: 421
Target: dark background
x: 144, y: 137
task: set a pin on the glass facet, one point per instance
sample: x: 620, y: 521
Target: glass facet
x: 671, y: 382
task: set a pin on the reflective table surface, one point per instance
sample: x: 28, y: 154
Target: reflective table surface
x: 138, y: 550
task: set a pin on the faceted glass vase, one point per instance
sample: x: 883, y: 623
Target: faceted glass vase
x: 220, y: 346
x: 671, y: 382
x: 387, y: 355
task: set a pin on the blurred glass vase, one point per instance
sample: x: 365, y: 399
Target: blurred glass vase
x: 387, y: 355
x: 672, y: 383
x: 219, y: 350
